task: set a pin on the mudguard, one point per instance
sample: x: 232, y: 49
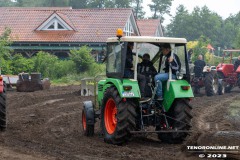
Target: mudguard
x: 89, y: 111
x: 175, y: 91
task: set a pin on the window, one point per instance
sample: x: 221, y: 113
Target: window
x: 54, y: 23
x: 114, y: 58
x: 128, y: 29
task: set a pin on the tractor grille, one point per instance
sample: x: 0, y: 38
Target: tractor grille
x: 100, y: 87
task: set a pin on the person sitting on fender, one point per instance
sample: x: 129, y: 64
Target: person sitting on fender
x: 175, y: 66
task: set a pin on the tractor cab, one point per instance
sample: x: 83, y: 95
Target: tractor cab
x: 117, y: 53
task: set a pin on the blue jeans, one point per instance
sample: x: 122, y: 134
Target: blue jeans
x: 161, y: 77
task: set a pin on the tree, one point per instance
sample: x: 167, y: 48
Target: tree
x: 201, y: 47
x: 20, y: 64
x: 44, y: 62
x: 42, y: 3
x: 78, y: 3
x: 159, y: 8
x: 237, y: 40
x: 122, y: 3
x: 193, y: 25
x: 82, y: 58
x: 5, y: 51
x: 96, y: 4
x: 177, y: 28
x: 6, y: 3
x: 138, y: 9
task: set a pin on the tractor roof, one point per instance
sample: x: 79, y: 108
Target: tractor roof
x: 231, y: 50
x: 142, y: 39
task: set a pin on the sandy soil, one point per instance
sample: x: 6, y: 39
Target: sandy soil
x: 46, y: 125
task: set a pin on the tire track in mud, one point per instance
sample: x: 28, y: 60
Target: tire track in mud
x: 206, y: 126
x: 48, y: 123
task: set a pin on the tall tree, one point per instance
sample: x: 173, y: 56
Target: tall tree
x: 138, y: 9
x: 200, y: 22
x: 179, y: 22
x: 6, y: 3
x: 96, y: 4
x: 237, y: 40
x: 160, y: 8
x: 78, y: 3
x: 122, y: 3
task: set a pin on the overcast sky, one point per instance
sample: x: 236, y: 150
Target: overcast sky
x: 223, y: 7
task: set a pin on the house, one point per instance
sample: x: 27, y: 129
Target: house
x: 57, y: 30
x: 150, y: 27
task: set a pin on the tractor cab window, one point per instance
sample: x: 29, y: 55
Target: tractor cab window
x: 114, y: 59
x: 179, y: 50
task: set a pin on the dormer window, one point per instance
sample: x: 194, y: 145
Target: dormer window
x: 54, y: 23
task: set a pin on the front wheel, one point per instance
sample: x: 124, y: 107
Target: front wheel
x: 88, y: 129
x: 179, y: 118
x: 118, y: 117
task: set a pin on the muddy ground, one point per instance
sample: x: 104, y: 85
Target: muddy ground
x: 46, y: 125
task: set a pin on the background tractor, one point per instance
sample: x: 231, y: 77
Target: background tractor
x: 118, y: 104
x: 3, y: 88
x: 228, y: 77
x: 205, y: 79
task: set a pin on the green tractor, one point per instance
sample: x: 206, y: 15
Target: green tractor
x: 118, y: 105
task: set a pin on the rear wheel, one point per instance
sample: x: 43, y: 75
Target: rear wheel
x: 3, y: 109
x: 238, y: 80
x: 196, y: 87
x: 210, y: 84
x: 88, y: 130
x: 228, y: 88
x: 181, y: 114
x: 118, y: 117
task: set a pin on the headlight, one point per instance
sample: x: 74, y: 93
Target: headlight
x: 179, y: 75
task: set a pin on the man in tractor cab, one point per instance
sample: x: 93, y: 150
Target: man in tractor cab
x: 147, y: 69
x: 175, y: 64
x: 237, y: 63
x: 198, y: 66
x: 146, y: 66
x: 129, y: 73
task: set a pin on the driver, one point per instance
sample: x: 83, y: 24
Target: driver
x: 175, y: 64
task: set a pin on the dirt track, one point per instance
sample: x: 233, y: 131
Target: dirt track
x: 46, y: 125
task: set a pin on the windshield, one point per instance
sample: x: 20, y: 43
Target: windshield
x: 142, y: 48
x: 154, y: 51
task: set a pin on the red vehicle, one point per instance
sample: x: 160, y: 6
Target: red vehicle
x: 2, y: 104
x: 228, y: 77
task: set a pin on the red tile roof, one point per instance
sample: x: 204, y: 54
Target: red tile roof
x: 148, y: 27
x: 90, y: 25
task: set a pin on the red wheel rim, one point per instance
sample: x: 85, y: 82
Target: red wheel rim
x: 84, y: 122
x: 110, y: 114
